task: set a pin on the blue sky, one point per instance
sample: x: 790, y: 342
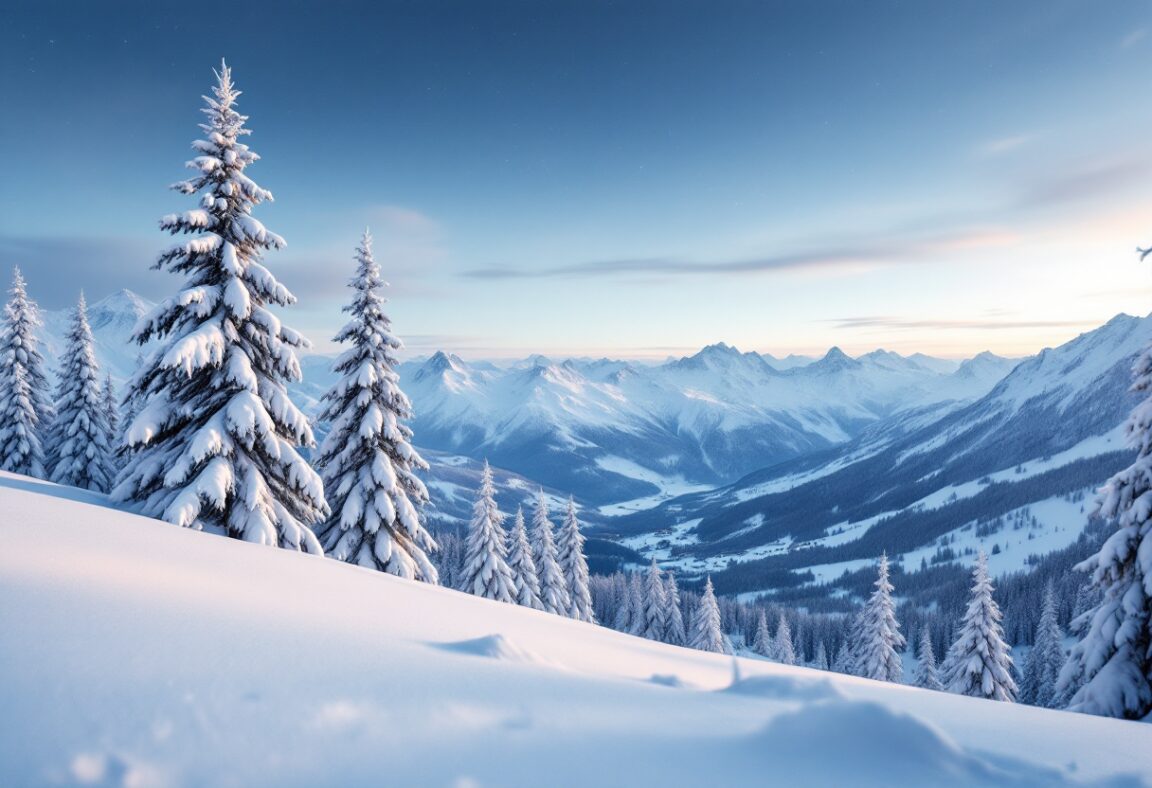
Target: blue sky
x: 625, y: 179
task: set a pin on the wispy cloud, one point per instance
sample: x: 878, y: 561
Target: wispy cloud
x: 991, y: 323
x: 1134, y: 38
x: 1003, y: 145
x: 864, y: 252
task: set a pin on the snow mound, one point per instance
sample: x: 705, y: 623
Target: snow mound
x: 492, y: 646
x: 785, y: 687
x: 870, y: 744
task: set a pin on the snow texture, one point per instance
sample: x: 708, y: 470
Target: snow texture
x: 138, y: 654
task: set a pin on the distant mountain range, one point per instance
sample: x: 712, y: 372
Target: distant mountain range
x: 1028, y: 453
x: 627, y: 435
x: 753, y: 468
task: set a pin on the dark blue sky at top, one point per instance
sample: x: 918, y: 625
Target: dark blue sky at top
x: 510, y: 144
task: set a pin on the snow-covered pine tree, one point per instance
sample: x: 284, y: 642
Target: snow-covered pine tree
x: 782, y: 649
x: 676, y: 635
x: 25, y: 398
x: 707, y: 634
x: 979, y: 663
x: 570, y: 556
x: 877, y: 654
x: 214, y: 444
x: 553, y: 587
x: 926, y: 675
x: 367, y: 460
x: 655, y: 605
x: 78, y: 451
x: 1046, y: 659
x: 821, y: 660
x: 623, y: 620
x: 762, y: 639
x: 843, y: 661
x: 486, y: 571
x: 523, y: 567
x: 111, y: 414
x: 636, y: 603
x: 1109, y: 672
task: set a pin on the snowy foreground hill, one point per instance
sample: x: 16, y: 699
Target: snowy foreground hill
x: 138, y: 653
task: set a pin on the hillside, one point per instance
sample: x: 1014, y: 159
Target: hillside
x: 136, y: 653
x: 1010, y: 473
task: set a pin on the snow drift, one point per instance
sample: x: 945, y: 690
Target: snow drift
x: 138, y: 653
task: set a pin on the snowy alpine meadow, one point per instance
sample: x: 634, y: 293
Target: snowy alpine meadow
x: 232, y: 559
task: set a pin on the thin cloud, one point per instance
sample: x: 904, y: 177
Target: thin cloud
x: 1134, y: 38
x: 848, y: 255
x: 1003, y: 145
x: 900, y: 323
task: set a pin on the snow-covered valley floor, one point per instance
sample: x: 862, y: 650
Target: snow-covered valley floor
x: 137, y: 653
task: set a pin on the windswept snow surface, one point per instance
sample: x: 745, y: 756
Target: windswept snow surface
x: 138, y: 653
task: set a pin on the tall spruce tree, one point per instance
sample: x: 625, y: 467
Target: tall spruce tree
x: 877, y: 654
x: 367, y: 460
x: 762, y: 639
x: 214, y: 444
x: 1109, y: 672
x: 523, y: 567
x: 821, y: 660
x: 111, y: 417
x: 78, y: 451
x: 486, y: 572
x: 1046, y: 659
x: 979, y: 664
x: 676, y: 635
x: 782, y: 649
x: 25, y: 398
x: 570, y: 554
x: 553, y: 587
x: 623, y: 620
x: 707, y: 634
x: 655, y: 605
x: 926, y: 675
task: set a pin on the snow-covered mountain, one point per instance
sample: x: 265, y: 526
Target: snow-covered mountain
x: 612, y: 431
x: 922, y: 486
x: 138, y: 653
x: 112, y: 320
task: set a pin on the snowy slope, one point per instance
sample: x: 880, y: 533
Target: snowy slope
x: 1043, y: 438
x: 137, y: 653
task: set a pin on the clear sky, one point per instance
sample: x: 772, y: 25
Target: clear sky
x: 613, y: 178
